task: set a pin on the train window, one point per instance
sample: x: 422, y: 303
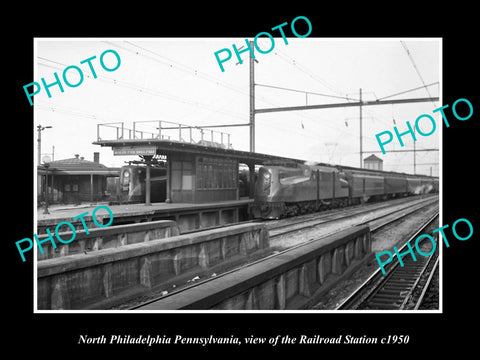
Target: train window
x: 343, y: 180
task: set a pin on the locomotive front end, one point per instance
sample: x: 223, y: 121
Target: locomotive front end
x: 266, y: 205
x: 130, y: 188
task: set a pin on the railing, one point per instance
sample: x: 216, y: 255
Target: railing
x: 163, y: 130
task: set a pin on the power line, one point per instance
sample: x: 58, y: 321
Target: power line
x: 303, y: 91
x: 180, y: 67
x: 406, y: 91
x: 416, y: 69
x: 190, y: 70
x: 305, y: 70
x: 153, y: 92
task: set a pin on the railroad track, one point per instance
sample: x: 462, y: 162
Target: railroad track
x: 313, y: 219
x: 341, y: 212
x: 375, y: 223
x: 420, y: 300
x: 205, y: 282
x: 395, y: 289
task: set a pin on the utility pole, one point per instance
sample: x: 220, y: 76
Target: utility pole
x: 361, y: 142
x: 148, y: 162
x: 252, y: 100
x: 414, y: 155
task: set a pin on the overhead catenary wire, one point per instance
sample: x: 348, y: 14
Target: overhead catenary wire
x: 410, y: 90
x: 143, y: 90
x: 416, y: 69
x: 192, y: 71
x: 295, y: 63
x: 149, y: 91
x: 304, y: 91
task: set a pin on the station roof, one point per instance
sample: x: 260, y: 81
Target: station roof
x: 373, y: 158
x: 75, y: 163
x: 77, y: 166
x: 161, y: 146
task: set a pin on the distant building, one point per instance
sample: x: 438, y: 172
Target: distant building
x: 373, y: 162
x: 75, y: 180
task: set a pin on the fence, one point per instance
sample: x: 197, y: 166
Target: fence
x: 163, y: 130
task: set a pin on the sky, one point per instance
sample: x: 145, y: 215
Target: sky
x: 179, y: 80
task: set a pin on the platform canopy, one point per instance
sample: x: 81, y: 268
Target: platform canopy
x: 158, y: 137
x: 166, y: 147
x: 201, y: 164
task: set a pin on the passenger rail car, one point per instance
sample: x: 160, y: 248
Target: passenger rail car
x: 292, y: 189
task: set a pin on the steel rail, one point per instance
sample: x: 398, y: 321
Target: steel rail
x: 427, y: 284
x: 204, y: 281
x: 316, y: 222
x: 377, y: 280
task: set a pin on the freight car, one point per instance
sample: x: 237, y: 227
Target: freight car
x: 290, y: 189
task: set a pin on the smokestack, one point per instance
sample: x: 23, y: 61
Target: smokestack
x: 96, y: 157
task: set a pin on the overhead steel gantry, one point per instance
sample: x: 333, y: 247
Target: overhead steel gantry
x: 360, y: 103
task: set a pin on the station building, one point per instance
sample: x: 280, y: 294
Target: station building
x: 75, y: 180
x: 199, y: 170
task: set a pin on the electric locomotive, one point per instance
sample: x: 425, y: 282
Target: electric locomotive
x: 292, y: 188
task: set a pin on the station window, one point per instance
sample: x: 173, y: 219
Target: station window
x: 182, y: 175
x: 215, y: 173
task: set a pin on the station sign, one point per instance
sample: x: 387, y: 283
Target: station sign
x: 134, y: 150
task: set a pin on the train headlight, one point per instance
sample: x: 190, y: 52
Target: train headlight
x: 266, y: 180
x: 126, y: 177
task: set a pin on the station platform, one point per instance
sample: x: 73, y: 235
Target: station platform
x: 188, y: 216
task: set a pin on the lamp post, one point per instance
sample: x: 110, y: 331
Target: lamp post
x: 40, y: 128
x: 46, y: 165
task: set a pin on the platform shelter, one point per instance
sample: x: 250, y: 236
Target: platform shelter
x: 202, y: 166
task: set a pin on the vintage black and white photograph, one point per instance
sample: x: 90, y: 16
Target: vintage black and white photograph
x: 279, y: 173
